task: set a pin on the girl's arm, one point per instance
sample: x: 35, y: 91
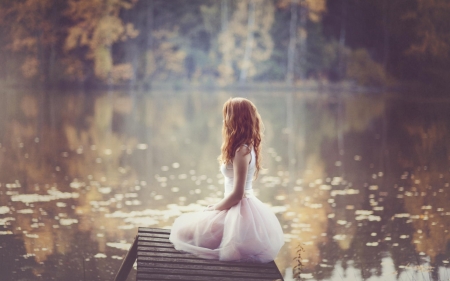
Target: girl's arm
x: 241, y: 161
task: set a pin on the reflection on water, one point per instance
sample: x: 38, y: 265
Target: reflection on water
x: 362, y: 182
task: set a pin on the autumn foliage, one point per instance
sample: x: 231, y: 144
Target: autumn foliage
x: 224, y: 42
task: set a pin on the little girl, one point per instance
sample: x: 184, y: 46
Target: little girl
x: 239, y: 227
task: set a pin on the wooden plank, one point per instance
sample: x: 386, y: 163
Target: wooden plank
x: 207, y: 272
x: 275, y: 269
x: 175, y: 256
x: 153, y: 230
x: 144, y: 276
x: 256, y: 266
x: 153, y: 239
x: 159, y: 249
x: 127, y: 263
x: 149, y: 234
x: 155, y: 244
x: 181, y: 256
x: 200, y: 267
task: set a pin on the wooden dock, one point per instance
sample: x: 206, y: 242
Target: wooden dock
x: 157, y: 259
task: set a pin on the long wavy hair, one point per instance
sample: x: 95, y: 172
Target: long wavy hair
x: 241, y: 125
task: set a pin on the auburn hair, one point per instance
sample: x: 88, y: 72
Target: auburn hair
x: 241, y: 125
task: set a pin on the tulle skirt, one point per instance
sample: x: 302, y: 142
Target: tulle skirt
x: 247, y: 232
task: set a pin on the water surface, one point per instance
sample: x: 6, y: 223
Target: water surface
x: 360, y: 181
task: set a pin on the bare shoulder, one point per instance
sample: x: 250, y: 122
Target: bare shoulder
x: 242, y: 150
x: 243, y: 153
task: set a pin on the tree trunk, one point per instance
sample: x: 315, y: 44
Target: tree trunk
x: 386, y: 34
x: 249, y: 43
x: 292, y: 42
x: 302, y: 40
x: 342, y: 37
x: 51, y: 67
x: 224, y: 14
x: 51, y: 79
x: 224, y: 22
x: 149, y: 39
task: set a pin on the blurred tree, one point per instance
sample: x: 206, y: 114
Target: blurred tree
x: 409, y: 38
x: 31, y: 30
x: 167, y: 58
x: 149, y: 67
x: 225, y: 41
x: 309, y: 10
x: 97, y: 26
x: 247, y: 41
x: 292, y: 41
x: 433, y: 29
x: 172, y: 41
x: 430, y: 45
x: 363, y: 70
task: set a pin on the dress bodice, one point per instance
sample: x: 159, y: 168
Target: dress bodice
x: 228, y: 173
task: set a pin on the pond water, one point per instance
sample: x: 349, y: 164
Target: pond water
x: 360, y: 181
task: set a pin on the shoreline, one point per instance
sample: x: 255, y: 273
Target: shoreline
x: 402, y: 89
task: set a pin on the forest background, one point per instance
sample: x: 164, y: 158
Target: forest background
x: 374, y: 43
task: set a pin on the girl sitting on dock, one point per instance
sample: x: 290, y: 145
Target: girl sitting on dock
x: 239, y: 227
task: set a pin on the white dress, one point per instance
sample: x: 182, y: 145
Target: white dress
x: 249, y: 231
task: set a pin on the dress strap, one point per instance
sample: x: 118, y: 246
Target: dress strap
x: 251, y: 157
